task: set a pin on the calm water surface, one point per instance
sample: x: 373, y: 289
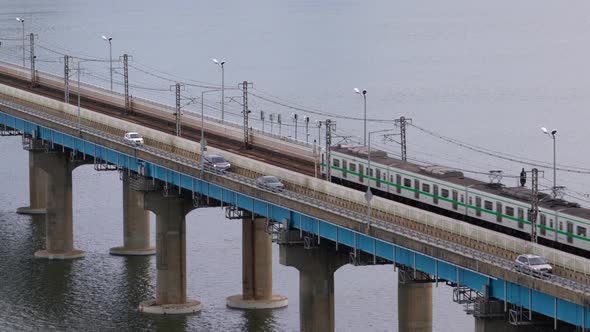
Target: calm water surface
x: 488, y: 74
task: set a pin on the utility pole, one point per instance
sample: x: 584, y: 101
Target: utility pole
x: 245, y: 112
x: 178, y: 113
x: 271, y: 118
x: 329, y: 127
x: 67, y: 79
x: 126, y: 82
x: 306, y: 121
x: 319, y: 124
x: 534, y: 204
x: 401, y: 122
x: 33, y: 72
x: 279, y: 121
x: 294, y: 117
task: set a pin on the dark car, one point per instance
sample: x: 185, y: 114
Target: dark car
x: 216, y: 162
x: 270, y: 182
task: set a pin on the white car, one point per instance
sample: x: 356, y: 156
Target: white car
x: 532, y: 264
x: 133, y: 138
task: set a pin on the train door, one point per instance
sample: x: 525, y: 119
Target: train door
x: 543, y: 222
x: 361, y: 173
x: 398, y: 182
x: 455, y: 197
x: 378, y: 178
x: 478, y: 206
x: 416, y: 189
x: 435, y: 193
x: 570, y: 231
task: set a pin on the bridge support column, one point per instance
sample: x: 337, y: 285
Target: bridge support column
x: 170, y: 256
x: 37, y: 186
x: 256, y: 268
x: 316, y: 283
x: 414, y: 301
x: 136, y: 224
x: 58, y: 220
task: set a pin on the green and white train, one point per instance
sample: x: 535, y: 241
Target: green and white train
x: 560, y: 224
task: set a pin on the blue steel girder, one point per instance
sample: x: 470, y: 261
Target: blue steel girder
x: 510, y: 293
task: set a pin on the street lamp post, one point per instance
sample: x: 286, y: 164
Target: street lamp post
x: 105, y: 38
x: 364, y: 94
x: 23, y: 25
x: 552, y: 135
x: 220, y: 64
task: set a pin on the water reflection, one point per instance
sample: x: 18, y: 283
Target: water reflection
x: 259, y: 320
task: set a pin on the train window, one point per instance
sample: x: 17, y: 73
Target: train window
x: 543, y: 224
x: 361, y: 173
x: 391, y: 178
x: 498, y: 212
x: 444, y: 193
x: 416, y: 188
x: 434, y: 194
x: 561, y: 225
x: 344, y: 168
x: 352, y: 167
x: 378, y: 178
x: 581, y: 231
x: 488, y: 205
x: 470, y: 200
x: 462, y: 198
x: 455, y: 194
x: 520, y: 212
x: 509, y: 211
x: 570, y: 231
x: 398, y: 181
x: 336, y: 162
x: 478, y: 206
x: 425, y: 187
x: 370, y: 171
x: 407, y: 183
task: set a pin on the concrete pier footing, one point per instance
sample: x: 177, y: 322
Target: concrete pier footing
x: 37, y: 187
x: 414, y: 302
x: 59, y: 223
x: 136, y: 224
x: 316, y: 283
x: 170, y: 256
x: 256, y: 269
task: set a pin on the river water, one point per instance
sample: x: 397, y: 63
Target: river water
x: 487, y: 74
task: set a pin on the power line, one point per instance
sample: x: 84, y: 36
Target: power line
x: 501, y: 155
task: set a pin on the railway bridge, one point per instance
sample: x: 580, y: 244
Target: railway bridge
x: 318, y: 225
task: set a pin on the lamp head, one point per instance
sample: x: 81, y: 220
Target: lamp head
x: 553, y: 132
x: 356, y: 90
x: 544, y: 130
x: 221, y: 63
x: 107, y: 38
x: 20, y: 20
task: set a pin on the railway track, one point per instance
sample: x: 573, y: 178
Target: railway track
x: 272, y: 157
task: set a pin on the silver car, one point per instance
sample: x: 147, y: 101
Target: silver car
x: 532, y: 264
x: 216, y: 162
x: 270, y: 182
x: 133, y: 138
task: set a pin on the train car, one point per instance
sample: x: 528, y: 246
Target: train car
x: 560, y: 224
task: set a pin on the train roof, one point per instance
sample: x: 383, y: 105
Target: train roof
x: 457, y: 177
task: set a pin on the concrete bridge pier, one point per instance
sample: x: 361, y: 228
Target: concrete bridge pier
x: 59, y: 225
x: 414, y: 301
x: 37, y: 186
x: 170, y: 256
x: 256, y: 268
x: 136, y: 224
x: 316, y: 282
